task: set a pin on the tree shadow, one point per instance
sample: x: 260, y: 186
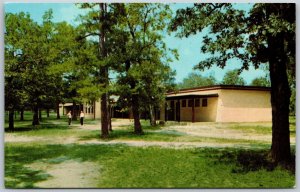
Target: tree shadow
x: 48, y: 125
x: 253, y: 160
x: 126, y: 134
x: 17, y: 159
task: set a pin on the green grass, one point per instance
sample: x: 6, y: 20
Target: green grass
x: 152, y: 167
x: 147, y: 167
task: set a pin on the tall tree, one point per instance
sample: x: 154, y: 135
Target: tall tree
x: 232, y: 77
x: 18, y: 59
x: 98, y: 24
x: 196, y: 80
x: 142, y: 46
x: 264, y: 35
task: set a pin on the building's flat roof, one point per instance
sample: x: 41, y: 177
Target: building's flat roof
x: 190, y: 96
x: 215, y: 87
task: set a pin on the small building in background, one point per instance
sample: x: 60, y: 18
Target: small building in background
x: 221, y: 103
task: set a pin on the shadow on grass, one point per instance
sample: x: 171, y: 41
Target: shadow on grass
x: 47, y: 125
x: 129, y: 135
x: 250, y: 160
x: 17, y: 159
x: 18, y: 176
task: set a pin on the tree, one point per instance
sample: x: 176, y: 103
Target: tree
x: 98, y: 23
x: 261, y: 81
x: 264, y: 35
x: 232, y: 78
x: 142, y: 54
x: 18, y: 28
x: 196, y: 80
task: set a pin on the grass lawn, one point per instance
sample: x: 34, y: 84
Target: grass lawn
x: 151, y: 167
x: 123, y: 166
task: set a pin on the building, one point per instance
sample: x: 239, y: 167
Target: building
x: 220, y: 103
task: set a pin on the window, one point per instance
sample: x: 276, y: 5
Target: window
x: 183, y: 103
x: 204, y: 102
x: 191, y: 103
x: 197, y: 102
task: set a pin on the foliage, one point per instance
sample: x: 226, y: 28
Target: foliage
x: 233, y: 78
x: 265, y: 34
x: 261, y: 81
x: 196, y: 80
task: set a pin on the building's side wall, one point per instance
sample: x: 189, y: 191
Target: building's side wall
x: 208, y: 113
x: 202, y: 113
x: 98, y: 109
x: 244, y: 106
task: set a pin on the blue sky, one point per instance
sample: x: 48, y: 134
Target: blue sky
x: 188, y: 48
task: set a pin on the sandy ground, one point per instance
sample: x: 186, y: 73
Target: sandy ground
x: 68, y: 174
x: 76, y: 174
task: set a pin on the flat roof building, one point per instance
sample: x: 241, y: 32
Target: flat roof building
x: 220, y: 103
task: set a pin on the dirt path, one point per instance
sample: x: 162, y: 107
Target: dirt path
x: 68, y: 174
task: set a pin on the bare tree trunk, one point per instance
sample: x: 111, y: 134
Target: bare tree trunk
x: 103, y: 74
x: 74, y: 111
x: 280, y: 99
x: 48, y: 111
x: 109, y: 118
x: 22, y: 114
x: 136, y: 114
x: 40, y: 114
x: 35, y: 120
x: 57, y: 111
x: 152, y: 115
x: 11, y: 120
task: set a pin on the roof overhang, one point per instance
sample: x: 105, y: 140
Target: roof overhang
x: 191, y: 96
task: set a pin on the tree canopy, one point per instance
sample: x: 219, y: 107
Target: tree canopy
x: 196, y: 80
x: 232, y: 77
x: 264, y: 35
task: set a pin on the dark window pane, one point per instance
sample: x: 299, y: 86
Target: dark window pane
x: 204, y: 102
x: 183, y: 103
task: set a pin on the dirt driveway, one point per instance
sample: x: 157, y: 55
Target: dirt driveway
x: 200, y: 129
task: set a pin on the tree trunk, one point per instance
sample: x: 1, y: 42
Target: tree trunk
x: 57, y: 111
x: 109, y: 118
x: 152, y: 115
x: 136, y: 114
x: 74, y: 111
x: 35, y: 120
x: 104, y: 116
x: 40, y: 114
x: 103, y: 73
x: 22, y: 115
x: 11, y: 120
x: 280, y: 98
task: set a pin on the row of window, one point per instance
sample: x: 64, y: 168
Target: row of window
x: 89, y: 109
x: 191, y: 103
